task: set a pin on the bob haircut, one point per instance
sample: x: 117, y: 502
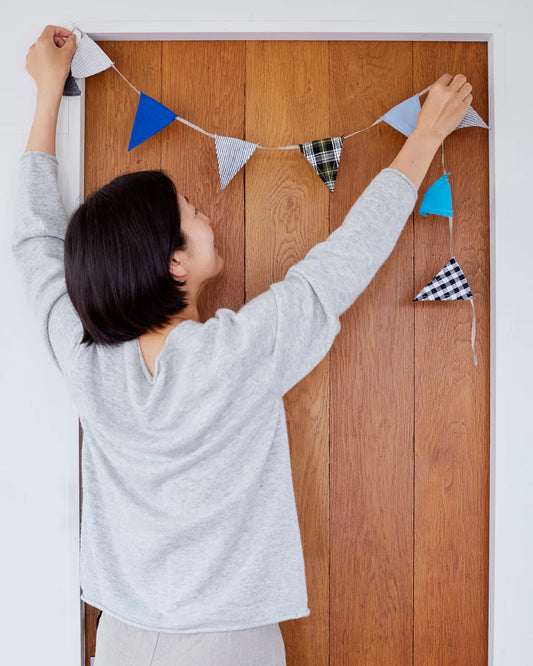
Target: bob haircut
x: 118, y: 248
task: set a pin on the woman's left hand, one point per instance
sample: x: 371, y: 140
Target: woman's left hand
x: 48, y: 59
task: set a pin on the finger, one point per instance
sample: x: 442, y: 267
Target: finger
x: 465, y: 89
x: 61, y: 41
x: 70, y: 43
x: 62, y: 32
x: 56, y: 31
x: 444, y: 79
x: 457, y: 82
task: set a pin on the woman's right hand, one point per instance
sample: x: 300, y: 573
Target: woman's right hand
x: 446, y: 105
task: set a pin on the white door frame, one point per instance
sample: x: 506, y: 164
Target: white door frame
x: 70, y: 150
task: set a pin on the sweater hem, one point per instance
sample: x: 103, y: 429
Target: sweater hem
x: 406, y: 178
x: 40, y: 152
x: 259, y: 623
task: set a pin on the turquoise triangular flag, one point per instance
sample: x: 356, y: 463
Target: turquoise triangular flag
x: 232, y: 155
x: 403, y: 116
x: 438, y: 198
x: 150, y: 118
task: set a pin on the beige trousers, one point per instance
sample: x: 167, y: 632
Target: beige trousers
x: 120, y: 644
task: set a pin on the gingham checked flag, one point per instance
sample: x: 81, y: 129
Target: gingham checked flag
x: 450, y: 284
x: 324, y: 156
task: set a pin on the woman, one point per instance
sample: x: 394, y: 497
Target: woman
x: 190, y: 542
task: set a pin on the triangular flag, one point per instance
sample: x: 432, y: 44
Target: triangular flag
x: 403, y: 116
x: 438, y: 198
x: 232, y: 155
x: 449, y: 284
x: 88, y: 58
x: 324, y: 156
x: 472, y: 119
x: 71, y: 87
x: 150, y: 118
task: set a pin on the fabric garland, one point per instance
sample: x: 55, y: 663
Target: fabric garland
x: 323, y: 155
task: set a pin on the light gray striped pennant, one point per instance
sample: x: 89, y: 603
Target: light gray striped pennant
x: 88, y: 58
x: 232, y: 155
x: 472, y: 119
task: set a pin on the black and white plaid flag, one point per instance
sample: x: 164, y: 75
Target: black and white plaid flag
x: 324, y: 156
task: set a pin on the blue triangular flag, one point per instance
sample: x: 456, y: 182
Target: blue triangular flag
x: 232, y: 155
x: 150, y: 118
x: 438, y: 198
x: 403, y: 116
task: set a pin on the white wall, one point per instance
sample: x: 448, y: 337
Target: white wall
x: 39, y: 615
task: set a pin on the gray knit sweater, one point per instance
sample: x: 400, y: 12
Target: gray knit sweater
x: 189, y: 522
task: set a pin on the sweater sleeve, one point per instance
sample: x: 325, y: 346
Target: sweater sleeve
x: 279, y: 336
x: 37, y: 246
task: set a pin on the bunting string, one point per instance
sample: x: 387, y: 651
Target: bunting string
x: 258, y: 145
x: 125, y: 79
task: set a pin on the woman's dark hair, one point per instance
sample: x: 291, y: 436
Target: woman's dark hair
x: 118, y: 247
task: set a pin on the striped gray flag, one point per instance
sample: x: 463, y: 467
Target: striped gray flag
x: 472, y: 119
x: 88, y: 58
x: 232, y: 155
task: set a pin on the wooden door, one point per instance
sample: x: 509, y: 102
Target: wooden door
x: 389, y: 434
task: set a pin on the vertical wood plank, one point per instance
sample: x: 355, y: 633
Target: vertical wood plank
x: 452, y: 401
x: 203, y: 82
x: 286, y: 214
x: 111, y: 105
x: 371, y: 530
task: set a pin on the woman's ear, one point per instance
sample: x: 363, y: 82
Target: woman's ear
x: 177, y: 269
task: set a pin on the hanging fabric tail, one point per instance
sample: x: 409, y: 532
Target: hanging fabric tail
x: 473, y: 330
x: 451, y: 228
